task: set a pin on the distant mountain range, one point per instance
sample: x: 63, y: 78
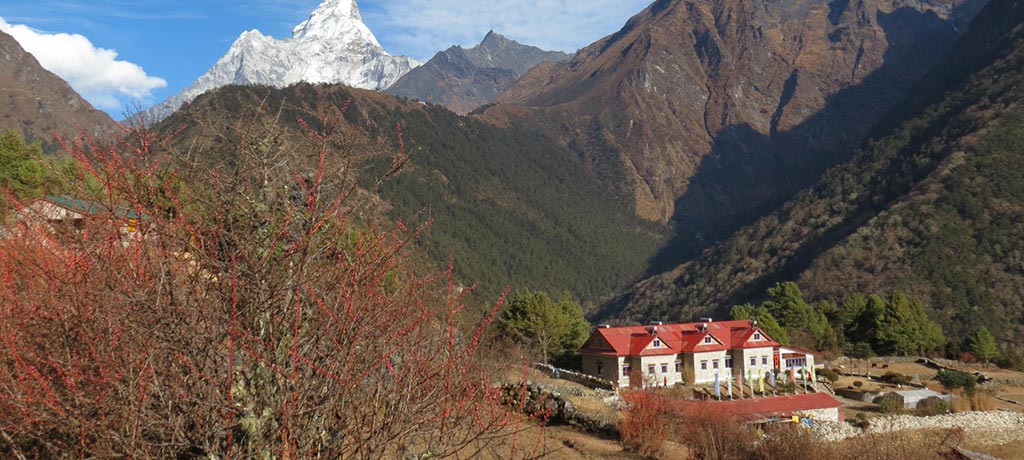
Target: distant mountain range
x: 38, y: 104
x: 465, y: 79
x: 332, y: 46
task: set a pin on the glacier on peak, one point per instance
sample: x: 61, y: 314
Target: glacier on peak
x: 332, y: 46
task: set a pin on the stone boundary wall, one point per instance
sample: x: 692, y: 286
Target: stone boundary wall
x: 857, y: 395
x: 999, y: 427
x: 550, y: 406
x: 586, y: 380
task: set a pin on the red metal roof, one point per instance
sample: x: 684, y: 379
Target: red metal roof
x: 765, y: 407
x: 678, y: 338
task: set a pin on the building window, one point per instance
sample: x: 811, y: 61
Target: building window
x: 664, y: 368
x: 650, y: 369
x: 714, y: 364
x: 625, y: 370
x: 757, y: 336
x: 728, y: 363
x: 679, y: 366
x: 753, y: 361
x: 657, y: 343
x: 707, y: 339
x: 796, y: 362
x: 600, y: 370
x: 764, y: 360
x: 703, y: 365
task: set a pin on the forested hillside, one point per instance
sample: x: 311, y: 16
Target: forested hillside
x: 508, y: 207
x: 935, y: 208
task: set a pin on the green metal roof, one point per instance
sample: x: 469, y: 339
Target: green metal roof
x: 92, y: 207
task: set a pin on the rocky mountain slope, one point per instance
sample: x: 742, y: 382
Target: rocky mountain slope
x: 465, y: 79
x: 332, y: 46
x: 934, y: 207
x: 710, y: 114
x: 37, y: 104
x: 509, y: 207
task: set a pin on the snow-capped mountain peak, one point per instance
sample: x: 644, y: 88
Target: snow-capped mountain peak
x: 336, y: 20
x: 332, y: 46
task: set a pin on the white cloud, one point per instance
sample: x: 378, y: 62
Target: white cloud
x: 95, y: 73
x: 423, y: 27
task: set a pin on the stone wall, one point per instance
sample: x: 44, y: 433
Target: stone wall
x: 588, y: 381
x: 999, y: 427
x: 549, y: 405
x: 857, y: 395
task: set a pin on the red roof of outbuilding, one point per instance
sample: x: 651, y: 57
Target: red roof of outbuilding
x: 765, y: 407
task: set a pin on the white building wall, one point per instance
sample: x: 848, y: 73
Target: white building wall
x: 605, y: 367
x: 706, y: 374
x: 763, y: 360
x: 659, y: 370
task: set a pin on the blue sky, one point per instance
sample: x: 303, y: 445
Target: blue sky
x: 163, y: 45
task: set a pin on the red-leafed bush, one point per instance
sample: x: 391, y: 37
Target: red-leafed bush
x: 232, y: 306
x: 646, y: 423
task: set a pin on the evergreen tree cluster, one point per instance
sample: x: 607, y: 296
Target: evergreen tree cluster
x: 26, y: 173
x: 860, y: 326
x: 555, y: 328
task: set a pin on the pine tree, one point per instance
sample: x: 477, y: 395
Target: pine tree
x: 903, y: 327
x: 534, y: 318
x: 764, y: 319
x: 983, y: 345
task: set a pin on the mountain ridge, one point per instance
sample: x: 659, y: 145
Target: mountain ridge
x: 464, y: 79
x: 710, y: 114
x: 931, y: 208
x: 509, y: 207
x: 38, y: 104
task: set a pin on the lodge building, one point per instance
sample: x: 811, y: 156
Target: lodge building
x: 691, y: 353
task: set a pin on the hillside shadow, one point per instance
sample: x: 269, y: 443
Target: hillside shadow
x: 749, y: 174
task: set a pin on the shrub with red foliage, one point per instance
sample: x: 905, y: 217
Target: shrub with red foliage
x: 646, y: 423
x: 250, y: 316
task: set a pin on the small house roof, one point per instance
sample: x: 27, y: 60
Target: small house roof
x: 90, y: 208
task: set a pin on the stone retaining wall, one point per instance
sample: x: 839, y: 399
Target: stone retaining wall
x: 999, y: 427
x: 586, y: 380
x: 857, y: 395
x: 551, y: 406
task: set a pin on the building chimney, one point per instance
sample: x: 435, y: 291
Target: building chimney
x: 652, y: 329
x: 702, y: 327
x: 753, y: 323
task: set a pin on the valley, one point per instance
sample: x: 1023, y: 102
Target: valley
x: 319, y: 249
